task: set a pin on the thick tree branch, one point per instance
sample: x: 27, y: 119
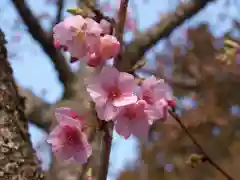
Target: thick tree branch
x: 145, y: 40
x: 46, y: 42
x: 36, y: 109
x: 18, y: 160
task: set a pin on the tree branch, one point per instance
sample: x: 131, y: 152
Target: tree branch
x: 36, y: 109
x: 60, y: 6
x: 145, y: 40
x: 46, y: 42
x: 18, y: 160
x: 206, y: 156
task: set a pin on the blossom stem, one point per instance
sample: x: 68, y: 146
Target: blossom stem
x: 206, y: 156
x: 105, y: 155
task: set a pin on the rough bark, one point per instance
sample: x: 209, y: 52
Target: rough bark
x: 17, y: 157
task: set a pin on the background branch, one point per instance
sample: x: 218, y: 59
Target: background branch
x: 145, y: 40
x: 46, y: 42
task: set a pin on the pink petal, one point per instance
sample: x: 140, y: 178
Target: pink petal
x: 53, y: 137
x: 64, y: 111
x: 74, y: 23
x: 94, y: 60
x: 93, y: 27
x: 122, y: 127
x: 66, y: 120
x: 110, y: 47
x: 156, y: 111
x: 93, y: 43
x: 96, y: 91
x: 77, y: 48
x: 109, y: 77
x: 148, y: 82
x: 107, y: 112
x: 126, y: 83
x: 125, y: 100
x: 106, y: 26
x: 139, y: 128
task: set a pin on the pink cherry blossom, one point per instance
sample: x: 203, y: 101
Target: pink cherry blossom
x: 158, y: 110
x: 78, y: 35
x: 68, y: 140
x: 132, y: 120
x: 109, y: 48
x: 111, y: 90
x: 157, y: 94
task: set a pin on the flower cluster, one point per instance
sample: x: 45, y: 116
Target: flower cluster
x: 68, y: 139
x: 84, y: 38
x: 116, y: 95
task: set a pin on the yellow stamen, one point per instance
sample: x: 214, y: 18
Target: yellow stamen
x: 80, y: 35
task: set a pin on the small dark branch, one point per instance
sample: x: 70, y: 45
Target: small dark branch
x: 98, y: 14
x: 18, y: 160
x: 46, y: 42
x: 60, y: 6
x: 206, y: 156
x: 122, y: 13
x: 145, y: 40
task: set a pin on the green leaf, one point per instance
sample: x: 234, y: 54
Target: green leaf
x: 75, y: 11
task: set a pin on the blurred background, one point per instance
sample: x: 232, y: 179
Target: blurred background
x: 203, y: 73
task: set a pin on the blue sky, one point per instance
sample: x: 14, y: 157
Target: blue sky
x: 33, y: 69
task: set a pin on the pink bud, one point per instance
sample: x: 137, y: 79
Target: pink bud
x: 56, y: 44
x: 171, y: 103
x: 94, y: 60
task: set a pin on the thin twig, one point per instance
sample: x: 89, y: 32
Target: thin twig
x: 60, y: 6
x: 46, y: 42
x: 99, y: 15
x: 208, y: 158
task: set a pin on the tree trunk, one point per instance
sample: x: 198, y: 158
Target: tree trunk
x: 17, y: 157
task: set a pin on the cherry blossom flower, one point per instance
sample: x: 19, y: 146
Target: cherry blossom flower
x: 158, y: 96
x: 109, y: 48
x: 77, y: 35
x: 111, y: 90
x: 132, y: 120
x: 68, y: 140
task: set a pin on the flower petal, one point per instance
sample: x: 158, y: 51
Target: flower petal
x: 107, y: 112
x: 109, y: 77
x: 139, y: 128
x: 125, y: 100
x: 126, y: 82
x: 122, y: 127
x: 96, y: 91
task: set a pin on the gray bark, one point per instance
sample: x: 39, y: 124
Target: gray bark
x: 17, y: 157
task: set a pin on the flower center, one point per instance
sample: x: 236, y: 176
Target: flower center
x: 80, y: 35
x: 114, y: 93
x: 71, y: 135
